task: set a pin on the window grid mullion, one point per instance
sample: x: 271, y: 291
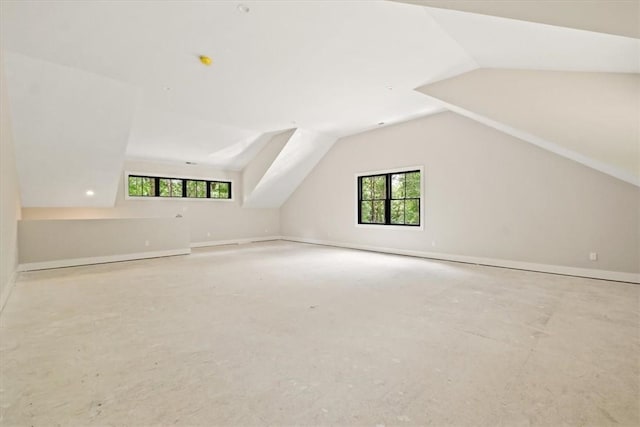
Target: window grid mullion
x: 359, y: 200
x: 404, y: 203
x: 387, y: 202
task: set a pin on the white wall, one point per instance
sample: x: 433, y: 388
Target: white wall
x: 10, y: 198
x: 209, y: 220
x: 487, y: 195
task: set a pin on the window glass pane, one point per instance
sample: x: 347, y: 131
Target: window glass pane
x: 196, y: 189
x: 397, y: 186
x: 135, y: 186
x: 201, y: 189
x: 131, y: 186
x: 192, y: 188
x: 148, y: 187
x: 224, y: 190
x: 412, y: 211
x: 170, y: 187
x: 220, y: 190
x: 176, y: 188
x: 413, y: 184
x: 165, y: 187
x: 378, y: 211
x: 215, y: 190
x: 397, y: 212
x: 379, y: 187
x: 366, y: 188
x: 366, y: 211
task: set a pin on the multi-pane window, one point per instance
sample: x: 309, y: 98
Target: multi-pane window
x: 389, y: 198
x: 149, y: 186
x: 142, y: 186
x: 220, y: 190
x: 170, y: 187
x: 197, y: 189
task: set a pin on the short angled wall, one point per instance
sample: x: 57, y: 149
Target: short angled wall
x: 63, y: 243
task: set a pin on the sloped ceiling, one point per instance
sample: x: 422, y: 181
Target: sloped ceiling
x: 593, y: 118
x: 586, y: 109
x: 619, y: 17
x: 508, y: 43
x: 327, y: 68
x: 90, y: 154
x: 292, y: 163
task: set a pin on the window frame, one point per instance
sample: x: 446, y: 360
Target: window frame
x: 388, y: 173
x: 184, y: 179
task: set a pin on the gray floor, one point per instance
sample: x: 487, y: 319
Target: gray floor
x: 285, y: 333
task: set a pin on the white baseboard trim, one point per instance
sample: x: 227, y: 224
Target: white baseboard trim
x: 6, y: 292
x: 73, y: 262
x: 493, y: 262
x: 234, y: 241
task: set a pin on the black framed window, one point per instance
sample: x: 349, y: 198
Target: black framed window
x: 169, y: 187
x: 142, y: 186
x: 151, y: 186
x: 389, y: 199
x: 220, y: 190
x: 197, y: 189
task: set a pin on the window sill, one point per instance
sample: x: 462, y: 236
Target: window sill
x: 178, y: 199
x: 391, y: 227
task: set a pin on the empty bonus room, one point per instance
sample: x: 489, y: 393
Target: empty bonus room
x: 376, y: 213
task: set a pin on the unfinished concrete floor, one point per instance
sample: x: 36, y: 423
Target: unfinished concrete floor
x: 290, y: 334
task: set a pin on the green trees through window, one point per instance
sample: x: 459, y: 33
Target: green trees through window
x: 149, y: 186
x: 142, y: 186
x: 220, y: 190
x: 391, y: 198
x: 197, y: 189
x: 374, y: 194
x: 170, y: 187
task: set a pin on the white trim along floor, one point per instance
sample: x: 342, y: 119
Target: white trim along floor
x: 284, y: 333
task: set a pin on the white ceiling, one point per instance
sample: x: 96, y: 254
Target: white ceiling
x: 326, y: 66
x: 175, y: 136
x: 495, y: 42
x: 331, y: 68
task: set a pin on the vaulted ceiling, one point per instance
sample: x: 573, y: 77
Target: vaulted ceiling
x: 92, y: 83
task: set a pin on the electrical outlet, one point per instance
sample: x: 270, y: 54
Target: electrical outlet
x: 146, y: 243
x: 593, y: 256
x: 208, y: 234
x: 433, y: 243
